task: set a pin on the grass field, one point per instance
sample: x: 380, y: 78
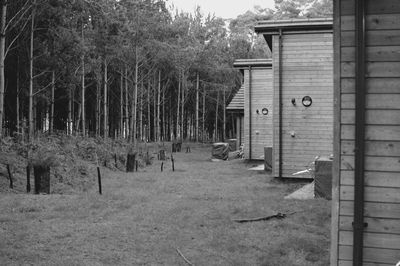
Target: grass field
x: 142, y: 218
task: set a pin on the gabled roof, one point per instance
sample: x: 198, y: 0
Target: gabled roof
x: 237, y: 103
x: 273, y: 27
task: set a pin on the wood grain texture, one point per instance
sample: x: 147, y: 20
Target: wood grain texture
x: 382, y: 132
x: 373, y: 85
x: 350, y: 263
x: 373, y: 163
x: 371, y: 255
x: 372, y: 178
x: 375, y: 225
x: 373, y: 148
x: 373, y: 194
x: 261, y: 125
x: 385, y: 133
x: 372, y: 240
x: 372, y: 7
x: 307, y: 70
x: 372, y: 209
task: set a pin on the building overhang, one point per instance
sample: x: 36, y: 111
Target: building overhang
x: 245, y: 63
x: 273, y: 27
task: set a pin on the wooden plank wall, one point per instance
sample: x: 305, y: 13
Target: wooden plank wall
x: 382, y: 154
x: 307, y: 65
x: 261, y: 97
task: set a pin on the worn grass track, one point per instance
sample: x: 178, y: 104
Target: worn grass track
x: 142, y: 218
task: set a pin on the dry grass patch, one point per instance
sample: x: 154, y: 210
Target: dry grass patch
x: 143, y: 217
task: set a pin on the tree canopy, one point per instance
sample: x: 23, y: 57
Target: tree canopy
x: 125, y: 68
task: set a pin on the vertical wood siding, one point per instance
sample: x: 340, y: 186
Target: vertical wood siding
x: 382, y: 130
x: 307, y: 70
x: 261, y: 97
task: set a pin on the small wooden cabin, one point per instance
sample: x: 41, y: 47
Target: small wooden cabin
x: 302, y: 59
x: 366, y: 184
x: 258, y: 96
x: 236, y: 108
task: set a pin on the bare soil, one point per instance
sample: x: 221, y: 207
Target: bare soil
x: 144, y: 217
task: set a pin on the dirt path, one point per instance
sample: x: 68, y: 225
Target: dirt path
x: 143, y: 218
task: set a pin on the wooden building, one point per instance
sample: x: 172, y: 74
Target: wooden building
x: 258, y: 96
x: 302, y: 59
x: 366, y: 184
x: 236, y: 109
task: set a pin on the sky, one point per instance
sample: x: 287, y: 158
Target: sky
x: 221, y: 8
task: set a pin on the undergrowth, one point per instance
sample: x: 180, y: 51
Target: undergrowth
x: 72, y: 160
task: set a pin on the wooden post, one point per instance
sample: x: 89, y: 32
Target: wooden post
x: 162, y: 166
x: 99, y: 179
x: 173, y: 163
x: 130, y: 162
x: 28, y: 178
x: 161, y: 155
x: 42, y: 179
x: 10, y: 176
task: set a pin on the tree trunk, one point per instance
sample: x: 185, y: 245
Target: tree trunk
x: 164, y: 123
x: 216, y: 119
x: 170, y: 123
x: 155, y: 108
x: 97, y: 110
x: 17, y: 99
x: 126, y: 104
x: 31, y: 122
x: 224, y: 116
x: 197, y: 108
x: 134, y: 100
x: 69, y: 127
x: 78, y: 121
x: 141, y: 111
x: 2, y: 58
x: 53, y: 84
x: 178, y: 133
x: 73, y: 115
x: 105, y: 131
x: 148, y: 108
x: 17, y: 114
x: 121, y: 105
x: 83, y: 114
x: 158, y: 106
x: 203, y: 118
x: 183, y: 104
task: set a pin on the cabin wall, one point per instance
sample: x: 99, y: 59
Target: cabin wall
x: 382, y: 134
x: 261, y: 125
x: 307, y: 70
